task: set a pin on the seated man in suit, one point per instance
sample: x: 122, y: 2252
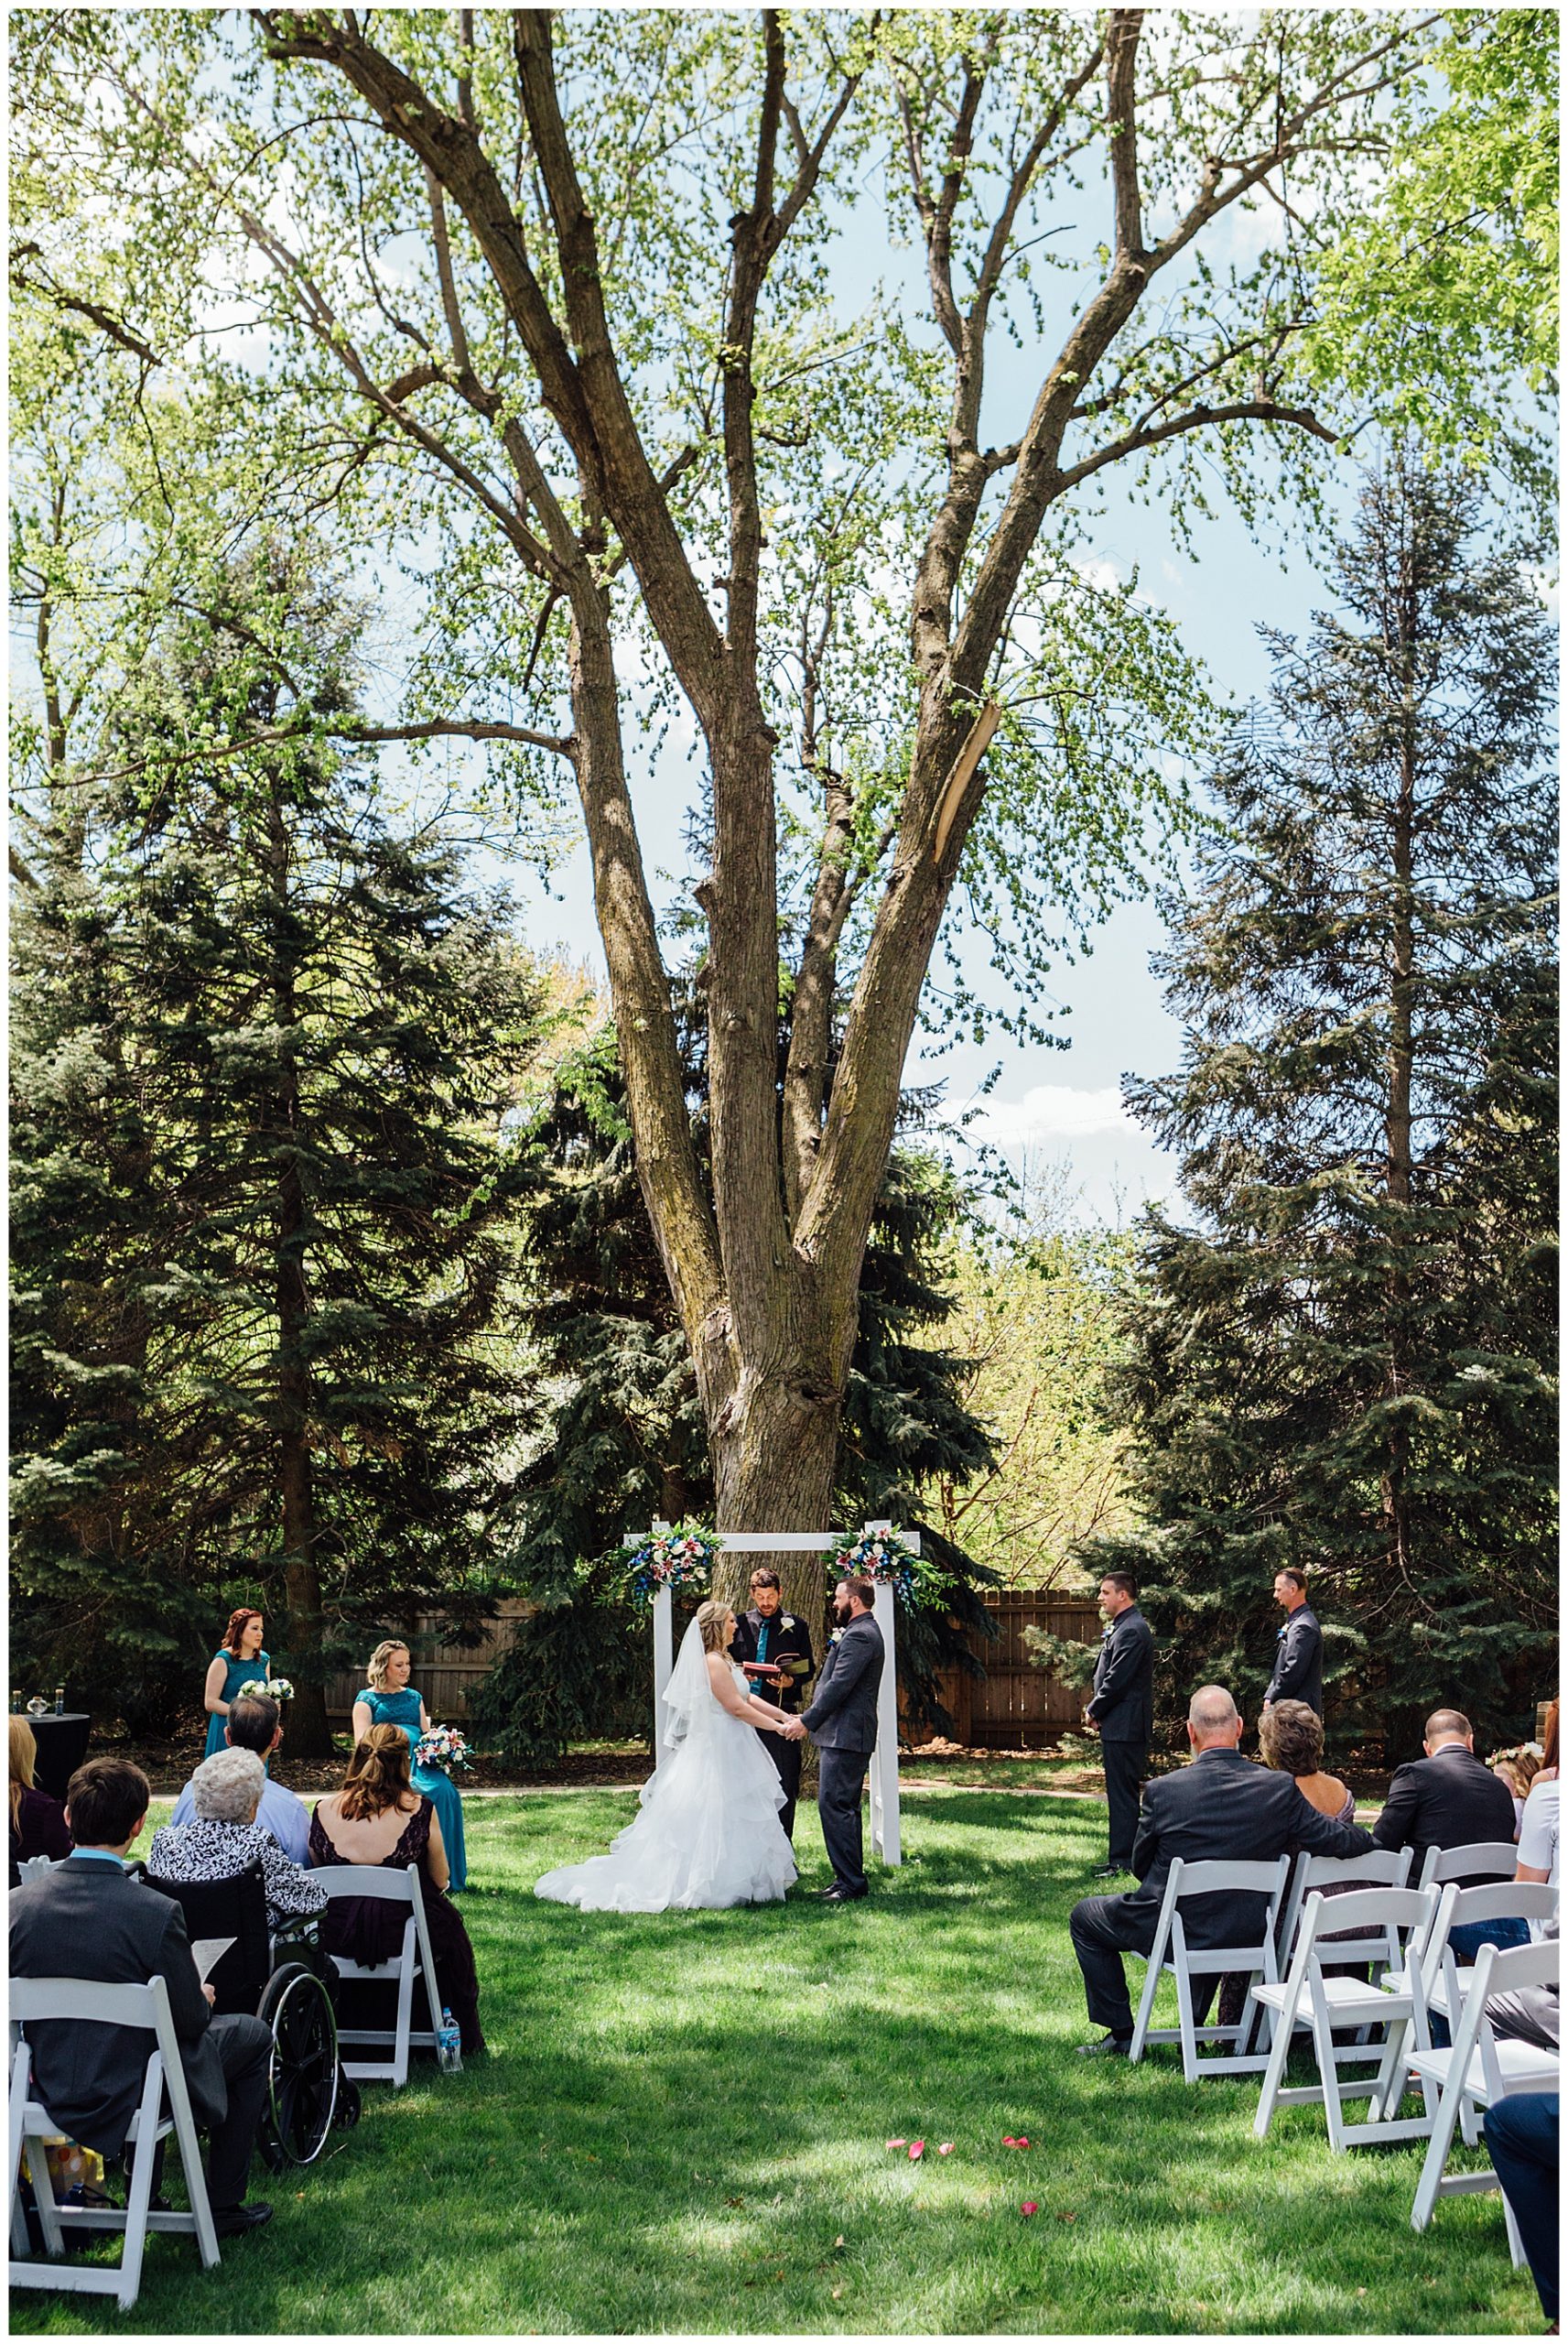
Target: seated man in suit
x: 256, y: 1723
x: 1222, y: 1807
x: 1446, y: 1799
x: 88, y: 1918
x: 1449, y: 1799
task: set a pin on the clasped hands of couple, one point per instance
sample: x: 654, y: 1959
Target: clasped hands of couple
x: 787, y: 1728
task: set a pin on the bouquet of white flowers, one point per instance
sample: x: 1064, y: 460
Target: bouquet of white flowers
x: 274, y: 1688
x: 443, y: 1746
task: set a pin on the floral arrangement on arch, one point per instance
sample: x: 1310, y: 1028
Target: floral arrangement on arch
x: 882, y: 1556
x: 443, y: 1747
x: 273, y: 1688
x: 681, y: 1557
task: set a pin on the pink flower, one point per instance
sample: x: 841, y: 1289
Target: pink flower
x: 917, y: 2149
x: 1029, y: 2207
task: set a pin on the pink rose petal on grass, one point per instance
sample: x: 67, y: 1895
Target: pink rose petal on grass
x: 1029, y: 2207
x: 1022, y: 2141
x: 917, y: 2149
x: 1008, y: 2142
x: 898, y: 2145
x: 945, y: 2149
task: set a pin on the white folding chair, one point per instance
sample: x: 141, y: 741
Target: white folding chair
x: 1170, y: 1950
x: 79, y: 1999
x: 1444, y: 1982
x: 1384, y: 1868
x: 1392, y: 1924
x: 1475, y: 2069
x: 1481, y: 1860
x: 416, y: 1961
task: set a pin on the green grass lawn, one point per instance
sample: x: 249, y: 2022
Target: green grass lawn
x: 682, y: 2126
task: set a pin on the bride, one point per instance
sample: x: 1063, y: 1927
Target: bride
x: 708, y: 1833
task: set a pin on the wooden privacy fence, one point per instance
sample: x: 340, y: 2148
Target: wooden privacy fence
x: 1015, y: 1706
x: 443, y: 1673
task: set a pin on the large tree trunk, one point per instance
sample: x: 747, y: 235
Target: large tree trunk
x: 774, y: 1449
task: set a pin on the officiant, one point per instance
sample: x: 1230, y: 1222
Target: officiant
x: 774, y: 1646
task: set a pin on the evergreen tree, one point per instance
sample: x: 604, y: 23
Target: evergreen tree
x: 1350, y: 1364
x: 624, y: 1438
x: 262, y: 1048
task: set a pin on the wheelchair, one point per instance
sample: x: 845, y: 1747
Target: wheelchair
x: 287, y: 1983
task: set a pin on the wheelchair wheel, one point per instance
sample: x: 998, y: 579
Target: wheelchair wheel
x: 303, y: 2072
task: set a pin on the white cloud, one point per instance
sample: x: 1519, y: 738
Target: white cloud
x: 1051, y: 1111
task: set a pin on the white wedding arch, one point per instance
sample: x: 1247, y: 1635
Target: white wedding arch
x: 883, y: 1770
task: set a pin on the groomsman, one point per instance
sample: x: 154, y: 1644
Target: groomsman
x: 1122, y: 1710
x: 1298, y: 1665
x: 774, y: 1646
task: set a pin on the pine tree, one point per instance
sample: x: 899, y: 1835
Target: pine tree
x: 624, y: 1438
x: 263, y: 1049
x: 1350, y: 1363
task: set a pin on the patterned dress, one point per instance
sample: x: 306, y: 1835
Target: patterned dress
x: 207, y: 1849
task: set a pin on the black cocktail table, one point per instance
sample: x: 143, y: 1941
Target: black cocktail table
x: 62, y: 1746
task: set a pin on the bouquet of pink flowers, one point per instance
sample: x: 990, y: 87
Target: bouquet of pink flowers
x: 443, y: 1746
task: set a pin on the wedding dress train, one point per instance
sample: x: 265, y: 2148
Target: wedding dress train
x: 709, y: 1830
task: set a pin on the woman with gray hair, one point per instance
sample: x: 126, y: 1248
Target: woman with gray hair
x: 226, y: 1838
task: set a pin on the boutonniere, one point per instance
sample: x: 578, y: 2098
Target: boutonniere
x: 836, y: 1637
x: 788, y: 1621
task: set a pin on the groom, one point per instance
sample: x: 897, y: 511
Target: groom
x: 842, y: 1721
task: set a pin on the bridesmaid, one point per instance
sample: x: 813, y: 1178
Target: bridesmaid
x: 390, y: 1699
x: 237, y: 1659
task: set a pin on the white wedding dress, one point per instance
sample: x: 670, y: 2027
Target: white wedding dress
x: 708, y: 1833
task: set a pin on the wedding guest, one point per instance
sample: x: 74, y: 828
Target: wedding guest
x: 225, y: 1838
x: 37, y: 1822
x: 1298, y: 1664
x: 1121, y: 1711
x: 1220, y: 1806
x: 390, y: 1699
x: 1518, y: 1769
x: 88, y: 1918
x: 774, y: 1646
x: 256, y: 1723
x: 1522, y: 2140
x: 1447, y: 1799
x: 1538, y: 1830
x: 237, y: 1658
x: 1290, y: 1740
x: 378, y: 1817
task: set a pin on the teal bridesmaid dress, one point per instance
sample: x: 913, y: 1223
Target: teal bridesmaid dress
x: 240, y: 1673
x: 403, y: 1708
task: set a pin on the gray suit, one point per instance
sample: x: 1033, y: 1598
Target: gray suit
x: 89, y: 1919
x: 842, y: 1721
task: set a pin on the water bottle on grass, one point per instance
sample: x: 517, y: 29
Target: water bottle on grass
x: 449, y: 2044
